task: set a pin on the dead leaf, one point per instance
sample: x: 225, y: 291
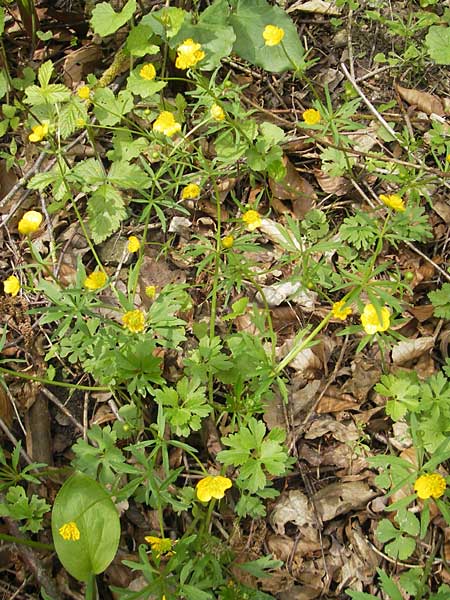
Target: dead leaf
x: 339, y: 186
x: 295, y: 188
x: 294, y: 507
x: 79, y: 63
x: 442, y: 208
x: 339, y: 431
x: 342, y: 497
x: 321, y: 7
x: 408, y: 350
x: 277, y: 235
x: 422, y: 312
x: 427, y: 103
x: 335, y: 401
x: 6, y: 411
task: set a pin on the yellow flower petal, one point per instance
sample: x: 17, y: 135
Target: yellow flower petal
x: 217, y: 112
x: 311, y: 116
x: 166, y: 124
x: 190, y: 192
x: 150, y: 291
x: 189, y: 53
x: 30, y: 222
x: 69, y: 531
x: 95, y: 280
x: 430, y: 486
x: 11, y: 285
x: 84, y: 92
x: 160, y: 545
x: 212, y: 486
x: 227, y: 241
x: 393, y: 201
x: 273, y: 35
x: 39, y: 132
x: 371, y: 322
x: 148, y: 72
x: 252, y: 219
x: 134, y: 321
x: 133, y: 244
x: 339, y: 312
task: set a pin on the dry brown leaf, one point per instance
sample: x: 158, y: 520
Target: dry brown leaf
x: 321, y: 7
x: 334, y: 401
x: 339, y: 431
x: 6, y: 411
x: 408, y: 350
x: 294, y: 507
x: 342, y: 497
x: 79, y: 63
x: 295, y: 188
x: 442, y: 208
x: 272, y: 230
x: 338, y: 186
x: 427, y: 103
x: 422, y: 313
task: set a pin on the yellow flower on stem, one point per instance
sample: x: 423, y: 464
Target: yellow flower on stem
x: 430, y: 486
x: 11, y: 285
x: 252, y: 220
x: 166, y: 124
x: 39, y: 132
x: 393, y: 201
x: 339, y: 312
x: 160, y: 545
x: 189, y: 53
x: 84, y: 92
x: 227, y: 241
x: 273, y: 35
x: 133, y: 244
x: 95, y: 280
x: 30, y: 222
x: 69, y: 531
x: 150, y: 291
x: 190, y: 192
x: 134, y: 320
x: 371, y: 322
x: 311, y: 116
x: 148, y: 72
x: 212, y: 486
x: 217, y: 112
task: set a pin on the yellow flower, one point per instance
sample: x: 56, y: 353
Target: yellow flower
x: 69, y: 531
x: 148, y: 72
x: 228, y: 241
x: 80, y: 122
x: 217, y: 112
x: 189, y: 54
x: 190, y: 192
x: 30, y: 222
x: 134, y: 320
x: 150, y: 291
x: 39, y: 132
x: 252, y: 219
x: 311, y: 116
x: 394, y: 201
x: 371, y: 321
x: 273, y: 35
x: 160, y: 545
x: 133, y: 244
x: 166, y: 124
x: 84, y: 92
x: 430, y: 486
x: 95, y: 280
x: 212, y: 486
x: 11, y: 285
x: 339, y: 312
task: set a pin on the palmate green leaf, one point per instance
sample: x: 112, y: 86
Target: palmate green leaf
x: 249, y: 21
x: 128, y: 176
x: 51, y: 94
x: 109, y: 109
x: 438, y: 42
x: 138, y: 43
x: 440, y: 299
x: 106, y: 211
x: 83, y: 501
x: 105, y: 21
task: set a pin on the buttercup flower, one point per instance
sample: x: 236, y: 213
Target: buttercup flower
x: 166, y: 124
x: 190, y: 192
x: 148, y: 72
x: 371, y: 321
x: 11, y: 285
x: 339, y: 312
x: 227, y: 241
x: 189, y: 54
x: 30, y: 222
x: 394, y: 201
x: 84, y: 92
x: 95, y: 280
x: 69, y: 531
x: 38, y: 132
x: 212, y: 486
x: 217, y: 112
x: 134, y: 320
x: 160, y: 545
x: 150, y: 291
x: 311, y: 116
x: 252, y: 219
x: 80, y: 123
x: 133, y: 244
x: 430, y: 486
x: 273, y: 35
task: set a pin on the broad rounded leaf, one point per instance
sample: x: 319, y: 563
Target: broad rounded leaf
x: 438, y: 43
x: 83, y: 501
x: 106, y: 21
x: 216, y: 41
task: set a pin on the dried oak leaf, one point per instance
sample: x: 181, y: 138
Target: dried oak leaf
x: 295, y: 188
x: 427, y: 103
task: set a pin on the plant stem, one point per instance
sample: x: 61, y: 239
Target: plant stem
x: 25, y: 542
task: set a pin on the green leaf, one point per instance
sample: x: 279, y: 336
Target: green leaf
x: 249, y: 22
x: 105, y: 21
x: 166, y: 22
x: 138, y: 43
x: 259, y: 567
x: 216, y: 42
x: 50, y: 94
x: 45, y: 73
x: 128, y: 176
x: 106, y: 211
x: 139, y: 86
x: 3, y: 83
x: 83, y: 501
x: 438, y: 42
x: 440, y: 300
x: 110, y: 109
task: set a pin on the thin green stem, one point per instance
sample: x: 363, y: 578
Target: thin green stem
x: 74, y: 386
x: 24, y: 542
